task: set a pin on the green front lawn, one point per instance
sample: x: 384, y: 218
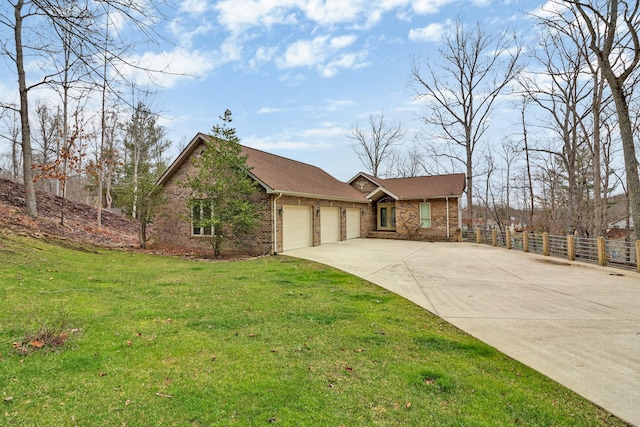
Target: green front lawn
x: 161, y: 341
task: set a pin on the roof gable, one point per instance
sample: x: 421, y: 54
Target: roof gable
x: 278, y: 174
x: 372, y: 179
x: 424, y: 187
x: 414, y: 188
x: 284, y: 175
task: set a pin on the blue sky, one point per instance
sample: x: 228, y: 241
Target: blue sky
x: 298, y: 74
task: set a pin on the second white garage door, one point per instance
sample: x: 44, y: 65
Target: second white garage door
x: 329, y: 225
x: 296, y: 227
x: 353, y: 223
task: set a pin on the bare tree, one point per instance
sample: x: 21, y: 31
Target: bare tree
x: 23, y: 89
x: 76, y: 24
x: 374, y: 145
x: 613, y: 27
x: 111, y: 155
x: 11, y: 133
x: 568, y: 25
x: 560, y: 90
x: 530, y: 205
x: 47, y: 140
x: 475, y: 69
x: 408, y: 164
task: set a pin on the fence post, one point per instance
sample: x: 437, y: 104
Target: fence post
x: 638, y: 256
x: 525, y: 241
x: 571, y: 247
x: 545, y: 244
x: 478, y: 235
x: 508, y: 237
x: 494, y: 238
x: 459, y: 235
x: 602, y: 256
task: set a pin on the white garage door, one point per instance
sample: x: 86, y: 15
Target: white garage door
x: 329, y: 225
x: 296, y: 227
x: 353, y: 223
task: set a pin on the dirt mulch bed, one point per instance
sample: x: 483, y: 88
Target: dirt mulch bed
x: 80, y: 220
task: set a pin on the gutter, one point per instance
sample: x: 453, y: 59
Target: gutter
x: 316, y: 196
x: 275, y: 225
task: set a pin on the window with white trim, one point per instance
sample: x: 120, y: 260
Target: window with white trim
x: 201, y: 216
x: 425, y: 215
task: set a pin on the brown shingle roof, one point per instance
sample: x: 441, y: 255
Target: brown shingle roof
x: 421, y: 187
x: 424, y: 187
x: 280, y: 175
x: 292, y: 177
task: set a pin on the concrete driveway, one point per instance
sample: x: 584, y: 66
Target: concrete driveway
x: 576, y: 323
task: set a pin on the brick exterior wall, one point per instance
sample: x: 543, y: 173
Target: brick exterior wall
x: 172, y: 222
x: 408, y: 217
x: 408, y: 220
x: 368, y: 221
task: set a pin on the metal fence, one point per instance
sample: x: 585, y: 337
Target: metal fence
x: 622, y: 254
x: 586, y: 250
x: 613, y: 253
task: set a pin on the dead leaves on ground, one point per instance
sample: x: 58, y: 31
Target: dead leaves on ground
x: 42, y: 340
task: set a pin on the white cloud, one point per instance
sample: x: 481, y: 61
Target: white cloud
x: 327, y: 131
x: 184, y: 35
x: 330, y: 12
x: 194, y: 7
x: 239, y: 14
x: 323, y: 53
x: 425, y: 7
x: 169, y: 68
x: 305, y: 53
x: 322, y: 137
x: 339, y: 104
x: 392, y: 4
x: 262, y: 55
x: 351, y: 61
x: 273, y: 144
x: 271, y: 110
x: 342, y: 41
x: 549, y: 10
x: 431, y: 33
x: 8, y: 95
x: 231, y: 49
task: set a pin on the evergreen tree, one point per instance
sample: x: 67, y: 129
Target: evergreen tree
x: 221, y: 207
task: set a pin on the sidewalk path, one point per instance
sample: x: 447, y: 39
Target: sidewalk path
x: 576, y: 323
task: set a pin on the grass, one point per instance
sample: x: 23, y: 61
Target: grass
x: 160, y: 341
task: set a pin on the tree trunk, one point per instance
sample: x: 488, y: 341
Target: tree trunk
x: 630, y: 160
x: 27, y: 156
x: 469, y: 187
x: 529, y: 179
x: 598, y: 220
x: 609, y: 46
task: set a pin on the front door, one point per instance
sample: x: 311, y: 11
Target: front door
x: 387, y: 216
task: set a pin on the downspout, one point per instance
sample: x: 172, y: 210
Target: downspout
x: 448, y: 226
x: 275, y: 225
x: 459, y: 214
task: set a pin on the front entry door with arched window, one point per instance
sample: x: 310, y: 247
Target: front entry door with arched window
x: 387, y: 216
